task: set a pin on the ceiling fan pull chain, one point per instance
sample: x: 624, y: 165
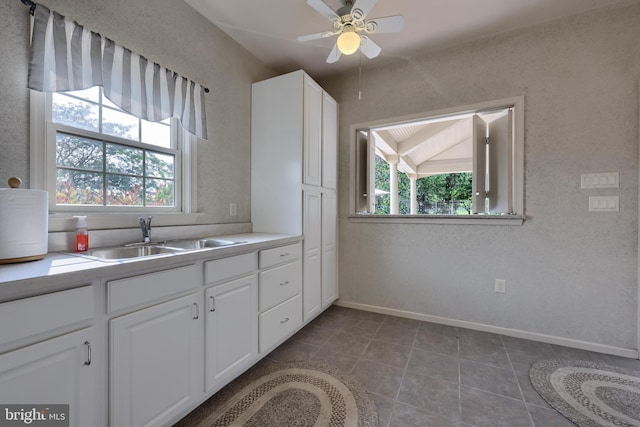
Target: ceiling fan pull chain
x: 360, y: 78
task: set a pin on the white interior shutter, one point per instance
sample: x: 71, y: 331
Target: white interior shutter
x: 365, y: 171
x: 479, y: 178
x: 500, y: 163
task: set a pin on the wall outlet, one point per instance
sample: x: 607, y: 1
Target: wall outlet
x: 232, y: 209
x: 604, y: 204
x: 501, y: 286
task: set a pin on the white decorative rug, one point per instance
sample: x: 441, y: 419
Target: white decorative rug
x: 589, y: 394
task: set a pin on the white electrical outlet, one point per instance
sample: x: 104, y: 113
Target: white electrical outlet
x: 604, y: 204
x: 501, y: 286
x: 232, y: 209
x: 600, y: 180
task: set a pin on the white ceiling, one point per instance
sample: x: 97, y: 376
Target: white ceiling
x: 269, y: 28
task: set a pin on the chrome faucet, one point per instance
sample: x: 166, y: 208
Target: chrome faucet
x: 145, y: 225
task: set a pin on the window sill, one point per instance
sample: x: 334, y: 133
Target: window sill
x: 106, y: 221
x: 442, y: 219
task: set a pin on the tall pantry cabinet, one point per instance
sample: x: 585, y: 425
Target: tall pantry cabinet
x: 294, y: 176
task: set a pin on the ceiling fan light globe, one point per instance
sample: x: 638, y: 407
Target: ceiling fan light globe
x: 348, y: 42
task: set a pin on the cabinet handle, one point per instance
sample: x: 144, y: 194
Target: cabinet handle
x: 88, y: 361
x: 196, y: 314
x: 212, y: 305
x: 284, y: 283
x: 285, y: 320
x: 284, y: 254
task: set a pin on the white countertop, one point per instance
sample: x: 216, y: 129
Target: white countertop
x: 59, y: 270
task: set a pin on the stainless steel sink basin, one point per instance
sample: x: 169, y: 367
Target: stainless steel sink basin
x: 119, y: 253
x: 200, y: 243
x: 162, y: 248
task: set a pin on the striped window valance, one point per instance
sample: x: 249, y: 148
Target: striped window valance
x: 65, y: 56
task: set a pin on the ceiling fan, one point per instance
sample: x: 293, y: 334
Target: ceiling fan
x: 349, y: 22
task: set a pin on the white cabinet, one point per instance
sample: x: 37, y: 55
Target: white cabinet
x: 312, y: 266
x: 329, y: 142
x: 329, y: 253
x: 56, y: 371
x: 312, y: 141
x: 293, y: 168
x: 280, y: 295
x: 231, y: 330
x: 156, y: 362
x: 46, y: 344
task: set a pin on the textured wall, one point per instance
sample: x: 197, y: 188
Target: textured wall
x: 168, y: 32
x: 569, y: 272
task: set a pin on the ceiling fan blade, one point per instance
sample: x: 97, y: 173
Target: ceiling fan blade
x: 315, y: 36
x: 361, y: 8
x: 334, y: 55
x: 388, y: 24
x: 324, y: 10
x: 369, y: 48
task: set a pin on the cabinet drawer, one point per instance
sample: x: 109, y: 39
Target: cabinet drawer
x: 31, y: 317
x: 279, y: 322
x: 275, y: 256
x: 226, y: 268
x: 279, y: 284
x: 133, y: 291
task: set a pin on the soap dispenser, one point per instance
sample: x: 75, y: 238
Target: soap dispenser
x: 82, y: 234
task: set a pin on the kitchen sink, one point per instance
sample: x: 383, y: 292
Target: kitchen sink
x: 161, y: 248
x: 201, y: 243
x: 119, y: 253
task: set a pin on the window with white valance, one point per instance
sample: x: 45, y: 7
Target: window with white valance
x: 111, y: 132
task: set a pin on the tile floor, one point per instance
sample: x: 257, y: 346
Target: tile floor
x: 425, y: 374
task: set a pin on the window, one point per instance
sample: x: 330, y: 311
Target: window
x: 462, y: 162
x: 107, y: 157
x: 95, y: 159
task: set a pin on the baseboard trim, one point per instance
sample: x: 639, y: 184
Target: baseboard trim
x: 534, y: 336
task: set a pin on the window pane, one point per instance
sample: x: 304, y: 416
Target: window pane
x: 92, y: 94
x: 125, y: 160
x: 78, y: 188
x: 120, y: 124
x: 156, y: 133
x: 160, y: 192
x: 124, y: 190
x: 74, y: 112
x: 78, y: 153
x: 160, y: 165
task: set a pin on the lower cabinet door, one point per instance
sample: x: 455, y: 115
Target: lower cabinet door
x: 277, y: 323
x: 52, y: 372
x: 156, y: 362
x: 231, y: 329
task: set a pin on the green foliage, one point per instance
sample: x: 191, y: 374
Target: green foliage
x: 437, y: 194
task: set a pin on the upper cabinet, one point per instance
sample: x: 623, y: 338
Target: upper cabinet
x: 329, y: 142
x: 312, y: 141
x: 293, y: 143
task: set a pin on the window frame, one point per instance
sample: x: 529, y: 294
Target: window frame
x: 43, y: 174
x: 518, y: 216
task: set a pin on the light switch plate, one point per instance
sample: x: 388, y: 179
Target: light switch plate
x: 600, y: 180
x: 604, y: 204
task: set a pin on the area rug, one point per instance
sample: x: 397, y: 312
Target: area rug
x: 293, y: 394
x: 589, y: 394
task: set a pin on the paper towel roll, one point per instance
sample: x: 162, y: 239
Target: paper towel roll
x: 24, y: 220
